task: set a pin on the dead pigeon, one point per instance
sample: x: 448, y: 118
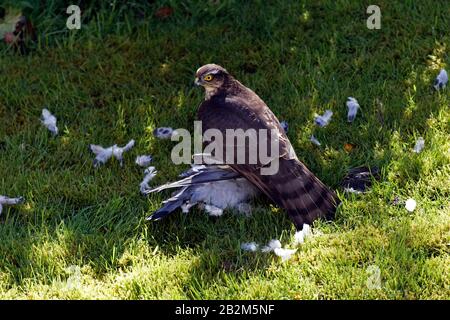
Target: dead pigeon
x: 10, y: 201
x: 353, y: 107
x: 441, y: 80
x: 323, y: 120
x: 163, y: 132
x: 150, y: 173
x: 144, y: 161
x: 359, y: 179
x: 49, y: 121
x: 215, y: 188
x: 104, y: 154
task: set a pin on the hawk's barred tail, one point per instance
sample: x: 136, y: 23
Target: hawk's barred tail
x: 301, y: 193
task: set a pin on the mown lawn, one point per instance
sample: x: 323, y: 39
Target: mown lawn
x: 82, y: 233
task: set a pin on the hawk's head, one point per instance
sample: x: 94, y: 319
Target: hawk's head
x: 211, y: 77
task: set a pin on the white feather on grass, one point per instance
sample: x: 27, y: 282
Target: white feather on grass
x: 323, y: 120
x: 314, y: 140
x: 420, y: 144
x: 144, y: 160
x: 301, y: 235
x: 410, y: 205
x: 249, y: 246
x: 102, y: 155
x: 353, y: 106
x: 4, y: 200
x: 150, y: 173
x: 441, y: 80
x: 49, y: 121
x: 284, y: 254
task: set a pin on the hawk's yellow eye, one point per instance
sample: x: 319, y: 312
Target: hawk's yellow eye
x: 208, y: 77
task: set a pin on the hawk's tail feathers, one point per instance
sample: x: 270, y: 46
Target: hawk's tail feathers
x: 302, y: 194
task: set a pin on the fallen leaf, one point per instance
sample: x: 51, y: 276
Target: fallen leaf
x: 164, y: 12
x: 349, y: 147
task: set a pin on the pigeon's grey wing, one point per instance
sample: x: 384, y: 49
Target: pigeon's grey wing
x: 173, y: 203
x: 209, y: 174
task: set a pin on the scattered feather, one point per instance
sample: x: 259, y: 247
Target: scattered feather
x: 49, y: 121
x: 144, y: 161
x: 301, y: 235
x: 323, y: 120
x: 104, y: 154
x: 351, y: 190
x: 285, y: 126
x: 314, y: 141
x: 353, y: 107
x: 249, y: 246
x: 118, y: 151
x: 150, y: 173
x: 284, y: 254
x: 4, y: 200
x: 420, y: 144
x: 410, y: 205
x: 163, y: 132
x: 271, y: 246
x: 441, y: 80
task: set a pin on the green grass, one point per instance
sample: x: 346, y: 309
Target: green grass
x: 82, y: 232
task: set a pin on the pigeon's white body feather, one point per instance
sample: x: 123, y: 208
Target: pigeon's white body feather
x: 227, y: 194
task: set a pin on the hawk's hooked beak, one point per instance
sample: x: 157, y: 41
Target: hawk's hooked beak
x: 197, y: 82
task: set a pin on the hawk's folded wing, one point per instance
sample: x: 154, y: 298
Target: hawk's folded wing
x: 293, y: 186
